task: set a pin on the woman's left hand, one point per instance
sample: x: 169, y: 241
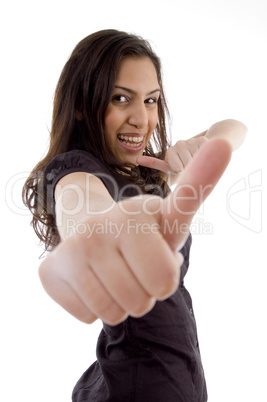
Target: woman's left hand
x: 177, y: 156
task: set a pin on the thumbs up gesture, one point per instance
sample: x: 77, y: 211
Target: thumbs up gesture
x: 111, y: 277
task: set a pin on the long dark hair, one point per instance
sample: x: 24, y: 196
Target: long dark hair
x: 82, y: 95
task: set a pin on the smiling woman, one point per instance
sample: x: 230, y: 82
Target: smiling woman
x: 120, y: 238
x: 132, y: 115
x: 84, y: 98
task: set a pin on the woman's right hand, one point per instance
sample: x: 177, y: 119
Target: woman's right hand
x: 127, y: 259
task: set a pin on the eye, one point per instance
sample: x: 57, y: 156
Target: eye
x: 119, y: 98
x: 151, y: 101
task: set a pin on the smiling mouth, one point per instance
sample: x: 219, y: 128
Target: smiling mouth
x: 131, y: 141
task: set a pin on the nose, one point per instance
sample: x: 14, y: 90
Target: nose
x: 138, y: 116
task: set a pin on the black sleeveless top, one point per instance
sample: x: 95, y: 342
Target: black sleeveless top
x: 154, y: 358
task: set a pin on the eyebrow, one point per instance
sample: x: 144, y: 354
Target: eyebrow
x: 133, y: 92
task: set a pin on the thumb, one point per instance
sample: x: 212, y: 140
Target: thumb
x: 194, y: 185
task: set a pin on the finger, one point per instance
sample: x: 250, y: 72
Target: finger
x: 62, y: 293
x: 116, y: 276
x: 75, y: 286
x: 153, y: 163
x: 96, y: 298
x: 196, y: 143
x: 178, y: 157
x: 150, y: 258
x: 193, y: 187
x: 182, y: 152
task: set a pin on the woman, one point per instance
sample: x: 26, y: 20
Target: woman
x: 100, y: 201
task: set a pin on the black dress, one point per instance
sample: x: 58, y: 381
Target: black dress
x: 154, y: 358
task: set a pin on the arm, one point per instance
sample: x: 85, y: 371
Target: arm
x: 231, y: 130
x: 87, y: 274
x: 79, y: 196
x: 180, y: 154
x: 95, y: 274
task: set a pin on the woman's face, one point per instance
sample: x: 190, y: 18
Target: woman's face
x: 132, y: 114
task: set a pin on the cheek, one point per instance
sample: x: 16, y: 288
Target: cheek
x: 108, y: 122
x: 153, y: 121
x: 112, y: 120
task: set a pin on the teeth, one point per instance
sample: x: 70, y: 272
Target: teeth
x: 132, y: 145
x: 137, y: 140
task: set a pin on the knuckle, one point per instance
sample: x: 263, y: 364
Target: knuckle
x: 175, y: 164
x: 111, y: 313
x: 169, y: 283
x: 179, y: 145
x: 88, y: 318
x: 177, y: 169
x: 191, y: 141
x: 140, y: 309
x: 115, y: 319
x: 202, y: 140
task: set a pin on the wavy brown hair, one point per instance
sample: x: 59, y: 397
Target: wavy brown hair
x: 82, y: 95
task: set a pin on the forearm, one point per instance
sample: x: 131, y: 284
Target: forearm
x: 181, y: 153
x: 231, y: 130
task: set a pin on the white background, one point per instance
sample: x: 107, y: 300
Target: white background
x: 215, y: 67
